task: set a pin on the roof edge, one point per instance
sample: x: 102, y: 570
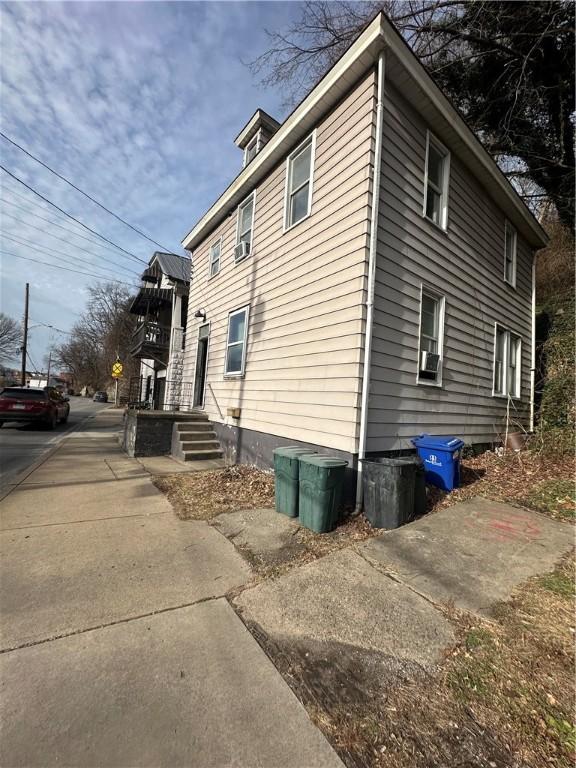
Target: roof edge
x: 371, y: 34
x: 380, y: 33
x: 260, y: 117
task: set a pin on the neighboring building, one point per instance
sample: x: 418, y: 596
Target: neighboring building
x: 40, y: 380
x: 158, y: 341
x: 368, y: 275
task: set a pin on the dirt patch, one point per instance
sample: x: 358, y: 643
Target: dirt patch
x: 203, y: 495
x: 305, y: 546
x: 527, y: 479
x: 502, y: 697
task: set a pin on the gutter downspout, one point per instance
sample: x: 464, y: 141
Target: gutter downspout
x: 372, y: 255
x: 533, y: 345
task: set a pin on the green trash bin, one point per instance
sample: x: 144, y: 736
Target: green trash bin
x: 321, y: 482
x: 286, y: 479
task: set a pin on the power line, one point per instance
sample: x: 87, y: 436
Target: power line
x: 67, y: 269
x: 94, y: 232
x: 89, y: 197
x: 25, y: 241
x: 67, y: 257
x: 55, y: 224
x: 36, y: 369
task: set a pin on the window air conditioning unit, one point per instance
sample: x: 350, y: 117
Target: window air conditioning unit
x: 430, y: 362
x: 241, y: 251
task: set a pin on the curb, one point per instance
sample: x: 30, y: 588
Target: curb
x: 46, y: 455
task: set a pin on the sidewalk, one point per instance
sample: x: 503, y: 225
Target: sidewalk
x: 118, y: 645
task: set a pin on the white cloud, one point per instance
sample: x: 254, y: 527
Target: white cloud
x: 138, y: 103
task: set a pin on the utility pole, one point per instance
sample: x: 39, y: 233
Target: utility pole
x: 49, y: 364
x: 25, y: 340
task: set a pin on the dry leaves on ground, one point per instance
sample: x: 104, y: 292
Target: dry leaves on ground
x: 203, y: 495
x: 502, y: 698
x: 544, y: 483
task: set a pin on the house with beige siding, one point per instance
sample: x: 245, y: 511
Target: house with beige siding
x: 368, y: 275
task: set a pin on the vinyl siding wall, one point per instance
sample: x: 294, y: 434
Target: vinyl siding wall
x: 465, y: 265
x: 306, y: 291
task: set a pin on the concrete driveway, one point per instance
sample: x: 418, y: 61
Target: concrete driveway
x: 118, y: 647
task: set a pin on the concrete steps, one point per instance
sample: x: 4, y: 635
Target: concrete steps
x: 194, y: 439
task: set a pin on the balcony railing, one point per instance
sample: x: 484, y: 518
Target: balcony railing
x: 150, y: 339
x: 150, y: 298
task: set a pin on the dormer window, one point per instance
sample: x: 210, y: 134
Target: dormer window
x: 252, y: 149
x: 255, y: 135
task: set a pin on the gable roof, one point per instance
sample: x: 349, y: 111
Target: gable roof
x: 407, y: 73
x: 259, y: 118
x: 172, y: 265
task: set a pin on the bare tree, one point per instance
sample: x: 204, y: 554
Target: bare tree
x: 103, y: 332
x: 10, y: 337
x: 508, y: 67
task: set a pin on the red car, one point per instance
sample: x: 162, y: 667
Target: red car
x: 46, y: 406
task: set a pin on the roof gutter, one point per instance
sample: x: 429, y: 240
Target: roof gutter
x: 372, y: 257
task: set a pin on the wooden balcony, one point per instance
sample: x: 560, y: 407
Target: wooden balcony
x: 149, y: 299
x: 152, y: 340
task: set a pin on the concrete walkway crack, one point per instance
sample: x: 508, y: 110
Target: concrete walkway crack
x: 97, y: 627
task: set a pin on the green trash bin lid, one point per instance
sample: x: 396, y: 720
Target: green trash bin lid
x: 328, y: 462
x: 290, y: 451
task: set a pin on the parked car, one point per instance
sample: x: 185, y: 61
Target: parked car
x: 100, y: 397
x: 46, y: 406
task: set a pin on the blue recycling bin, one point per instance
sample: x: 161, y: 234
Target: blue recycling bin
x: 441, y: 457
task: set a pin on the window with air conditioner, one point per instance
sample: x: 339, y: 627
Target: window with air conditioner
x: 215, y: 258
x: 236, y: 342
x: 299, y: 173
x: 510, y: 242
x: 431, y: 338
x: 436, y: 181
x: 507, y: 363
x: 244, y: 229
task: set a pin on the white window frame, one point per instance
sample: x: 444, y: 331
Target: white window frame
x: 236, y: 374
x: 251, y: 196
x: 508, y: 335
x: 509, y: 226
x: 442, y: 150
x: 211, y: 258
x: 309, y: 140
x: 441, y: 300
x: 255, y: 140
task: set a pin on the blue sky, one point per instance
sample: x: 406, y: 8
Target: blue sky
x: 138, y: 104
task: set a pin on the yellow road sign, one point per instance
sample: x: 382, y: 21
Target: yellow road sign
x: 117, y: 369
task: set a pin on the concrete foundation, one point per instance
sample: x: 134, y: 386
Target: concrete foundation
x: 246, y: 446
x: 149, y: 433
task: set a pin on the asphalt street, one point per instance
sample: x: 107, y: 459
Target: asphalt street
x: 22, y: 444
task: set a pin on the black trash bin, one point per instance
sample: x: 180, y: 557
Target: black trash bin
x: 394, y: 490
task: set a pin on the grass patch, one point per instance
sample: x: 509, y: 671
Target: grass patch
x: 503, y: 696
x: 559, y: 583
x: 556, y: 498
x: 528, y: 479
